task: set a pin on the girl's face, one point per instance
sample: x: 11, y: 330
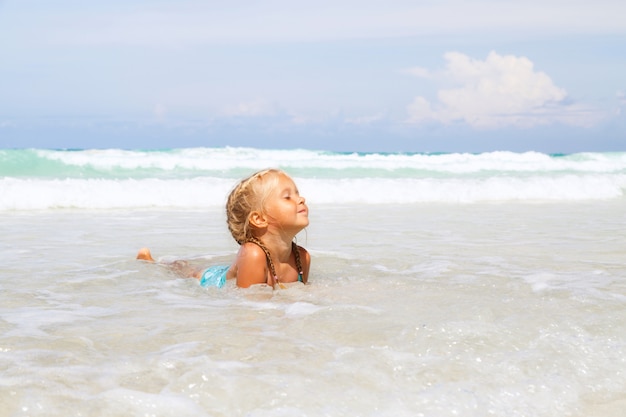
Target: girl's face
x: 285, y: 206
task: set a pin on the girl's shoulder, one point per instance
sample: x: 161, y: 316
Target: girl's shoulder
x: 303, y: 252
x: 250, y: 266
x: 305, y: 259
x: 252, y: 250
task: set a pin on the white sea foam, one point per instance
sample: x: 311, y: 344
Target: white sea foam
x: 223, y: 159
x: 203, y: 192
x: 38, y: 194
x: 202, y: 177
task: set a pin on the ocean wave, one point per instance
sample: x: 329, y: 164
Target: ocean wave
x: 37, y: 179
x: 204, y: 192
x: 235, y: 162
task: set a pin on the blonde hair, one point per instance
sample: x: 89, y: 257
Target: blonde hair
x: 249, y: 195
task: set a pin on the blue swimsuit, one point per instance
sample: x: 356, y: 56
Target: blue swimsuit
x: 215, y: 276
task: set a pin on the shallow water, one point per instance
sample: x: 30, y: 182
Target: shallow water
x: 512, y: 309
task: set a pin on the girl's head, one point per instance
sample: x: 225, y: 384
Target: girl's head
x: 247, y: 197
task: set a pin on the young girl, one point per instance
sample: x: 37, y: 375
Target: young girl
x: 264, y: 213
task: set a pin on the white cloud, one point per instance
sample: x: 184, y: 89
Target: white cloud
x: 621, y: 102
x: 160, y: 111
x: 418, y: 72
x: 502, y: 90
x: 364, y: 120
x: 253, y: 108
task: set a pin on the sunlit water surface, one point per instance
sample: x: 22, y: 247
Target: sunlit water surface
x: 412, y: 310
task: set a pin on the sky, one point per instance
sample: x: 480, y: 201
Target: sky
x: 342, y: 75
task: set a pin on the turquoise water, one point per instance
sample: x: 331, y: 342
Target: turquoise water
x: 34, y: 179
x: 235, y: 162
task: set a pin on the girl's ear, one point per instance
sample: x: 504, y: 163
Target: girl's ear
x: 258, y: 220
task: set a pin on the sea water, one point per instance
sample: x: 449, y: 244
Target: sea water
x: 441, y: 285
